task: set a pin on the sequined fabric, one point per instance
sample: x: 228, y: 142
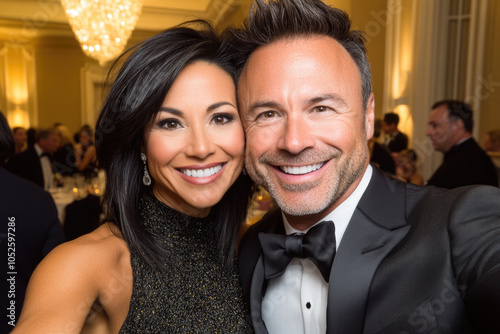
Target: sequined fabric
x: 197, y: 294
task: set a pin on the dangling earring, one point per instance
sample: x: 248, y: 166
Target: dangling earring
x: 146, y: 179
x: 244, y: 171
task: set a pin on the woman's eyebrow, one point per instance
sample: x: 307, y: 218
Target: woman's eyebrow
x: 219, y: 104
x: 172, y: 111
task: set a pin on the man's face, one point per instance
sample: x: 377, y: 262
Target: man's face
x: 440, y: 130
x: 49, y: 144
x: 388, y: 128
x: 302, y: 110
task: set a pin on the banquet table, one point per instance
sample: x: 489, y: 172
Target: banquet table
x: 74, y: 188
x: 62, y: 199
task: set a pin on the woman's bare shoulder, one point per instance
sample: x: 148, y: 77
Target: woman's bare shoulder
x: 106, y: 236
x: 102, y: 247
x: 73, y: 277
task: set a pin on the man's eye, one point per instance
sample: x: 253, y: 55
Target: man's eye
x: 267, y: 114
x: 320, y: 109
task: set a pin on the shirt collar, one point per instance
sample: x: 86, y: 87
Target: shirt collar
x: 462, y: 140
x: 343, y: 213
x: 38, y: 150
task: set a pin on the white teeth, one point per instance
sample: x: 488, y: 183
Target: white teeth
x: 202, y: 172
x: 302, y: 169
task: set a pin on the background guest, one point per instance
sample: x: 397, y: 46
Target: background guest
x: 381, y: 157
x: 34, y: 164
x: 406, y: 169
x: 394, y: 140
x: 31, y: 134
x: 492, y: 141
x: 492, y: 146
x: 20, y: 139
x: 465, y: 163
x: 29, y: 225
x: 85, y: 151
x: 64, y: 158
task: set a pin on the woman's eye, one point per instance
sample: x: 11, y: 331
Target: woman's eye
x: 222, y: 118
x: 169, y: 124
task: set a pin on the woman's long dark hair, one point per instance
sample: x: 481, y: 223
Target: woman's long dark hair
x: 132, y: 103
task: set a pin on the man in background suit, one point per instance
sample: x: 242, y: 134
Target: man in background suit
x: 34, y: 164
x: 492, y: 146
x: 406, y: 259
x: 465, y: 162
x: 30, y: 230
x: 395, y: 140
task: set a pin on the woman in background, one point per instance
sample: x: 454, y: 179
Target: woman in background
x: 64, y: 161
x: 171, y: 142
x: 406, y: 168
x: 20, y: 139
x: 85, y: 150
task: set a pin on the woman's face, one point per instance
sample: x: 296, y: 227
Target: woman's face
x: 195, y: 146
x: 20, y: 137
x: 84, y: 138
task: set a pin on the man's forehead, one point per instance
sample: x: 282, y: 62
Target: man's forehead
x: 297, y: 56
x: 439, y: 113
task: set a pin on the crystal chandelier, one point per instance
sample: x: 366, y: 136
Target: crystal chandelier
x: 102, y: 27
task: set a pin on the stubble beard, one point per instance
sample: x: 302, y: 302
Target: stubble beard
x: 337, y: 182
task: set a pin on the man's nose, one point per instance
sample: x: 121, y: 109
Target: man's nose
x: 297, y: 135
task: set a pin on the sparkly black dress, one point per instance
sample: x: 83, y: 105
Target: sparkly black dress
x: 197, y: 294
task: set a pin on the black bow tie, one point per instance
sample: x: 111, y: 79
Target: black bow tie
x: 318, y: 245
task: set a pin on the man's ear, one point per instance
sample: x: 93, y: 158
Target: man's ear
x: 370, y: 116
x: 458, y: 124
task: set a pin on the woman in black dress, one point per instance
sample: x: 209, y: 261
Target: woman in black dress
x: 171, y: 142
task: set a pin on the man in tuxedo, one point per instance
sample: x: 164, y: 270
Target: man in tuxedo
x: 465, y: 162
x: 395, y: 140
x: 349, y: 250
x: 491, y: 145
x: 34, y: 163
x: 30, y: 230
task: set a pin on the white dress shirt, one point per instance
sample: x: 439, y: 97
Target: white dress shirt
x: 48, y: 175
x: 295, y: 303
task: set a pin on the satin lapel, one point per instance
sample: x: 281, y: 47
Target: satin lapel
x: 256, y: 294
x: 271, y: 223
x: 376, y: 227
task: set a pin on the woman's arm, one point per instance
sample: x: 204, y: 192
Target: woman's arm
x: 90, y: 156
x: 60, y: 293
x: 69, y: 282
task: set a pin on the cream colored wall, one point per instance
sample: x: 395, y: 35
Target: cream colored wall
x: 370, y: 17
x: 58, y: 64
x: 489, y: 92
x: 238, y: 16
x: 345, y: 5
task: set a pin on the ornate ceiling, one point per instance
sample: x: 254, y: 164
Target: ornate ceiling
x: 26, y: 19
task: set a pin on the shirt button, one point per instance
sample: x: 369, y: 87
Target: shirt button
x: 308, y: 305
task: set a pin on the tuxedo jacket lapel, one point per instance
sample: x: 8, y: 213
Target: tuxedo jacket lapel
x: 252, y: 276
x: 376, y: 227
x: 256, y: 294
